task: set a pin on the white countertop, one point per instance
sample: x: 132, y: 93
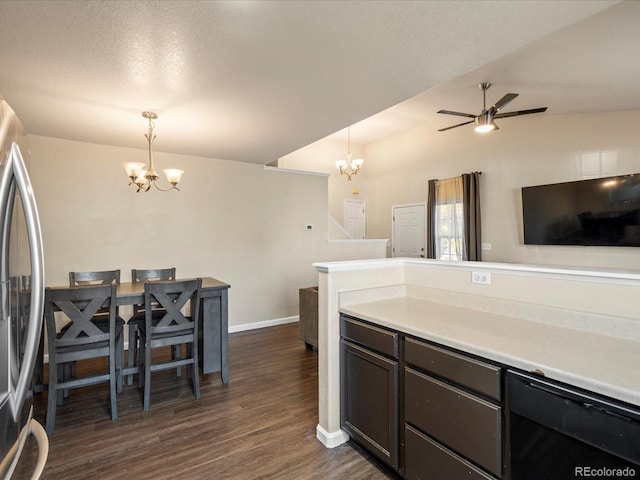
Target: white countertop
x: 603, y: 364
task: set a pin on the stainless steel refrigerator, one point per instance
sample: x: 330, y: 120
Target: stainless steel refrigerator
x: 21, y: 304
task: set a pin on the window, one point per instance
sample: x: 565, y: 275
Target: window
x: 454, y: 227
x: 449, y: 230
x: 449, y: 221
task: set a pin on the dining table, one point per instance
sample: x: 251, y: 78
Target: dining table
x: 213, y: 324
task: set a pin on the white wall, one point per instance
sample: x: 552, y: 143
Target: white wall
x: 233, y: 221
x: 321, y: 157
x: 527, y: 150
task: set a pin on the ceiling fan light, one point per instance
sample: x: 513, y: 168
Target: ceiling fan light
x: 485, y: 128
x: 484, y: 123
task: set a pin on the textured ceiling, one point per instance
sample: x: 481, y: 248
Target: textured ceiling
x: 254, y: 80
x: 588, y: 67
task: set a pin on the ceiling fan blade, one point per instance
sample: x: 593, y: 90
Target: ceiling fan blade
x: 459, y: 125
x: 504, y: 101
x: 460, y: 114
x: 520, y: 112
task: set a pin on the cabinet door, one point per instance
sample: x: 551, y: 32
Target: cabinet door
x: 369, y: 401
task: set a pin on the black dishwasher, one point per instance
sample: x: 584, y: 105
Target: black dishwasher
x: 557, y: 432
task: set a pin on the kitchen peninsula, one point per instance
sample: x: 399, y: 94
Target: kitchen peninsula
x: 576, y: 326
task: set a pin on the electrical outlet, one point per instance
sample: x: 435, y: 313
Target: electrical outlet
x: 483, y: 278
x: 309, y: 227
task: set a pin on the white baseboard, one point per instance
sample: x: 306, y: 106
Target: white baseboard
x: 331, y: 439
x: 263, y: 324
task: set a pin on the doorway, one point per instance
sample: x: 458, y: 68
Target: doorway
x: 408, y: 231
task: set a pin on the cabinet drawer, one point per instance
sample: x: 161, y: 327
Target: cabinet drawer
x: 375, y: 338
x: 426, y: 459
x: 468, y: 372
x: 466, y: 424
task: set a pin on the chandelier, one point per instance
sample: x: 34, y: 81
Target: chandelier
x: 143, y: 176
x: 349, y: 167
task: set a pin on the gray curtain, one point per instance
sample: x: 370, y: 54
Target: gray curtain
x: 431, y: 219
x: 471, y: 214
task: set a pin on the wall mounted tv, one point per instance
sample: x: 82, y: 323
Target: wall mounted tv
x: 602, y: 211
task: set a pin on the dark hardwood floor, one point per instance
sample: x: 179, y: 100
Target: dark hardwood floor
x: 259, y: 426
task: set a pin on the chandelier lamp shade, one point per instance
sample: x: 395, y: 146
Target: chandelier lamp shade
x: 349, y: 167
x: 143, y: 176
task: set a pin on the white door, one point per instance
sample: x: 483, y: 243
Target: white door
x: 409, y: 230
x: 354, y: 218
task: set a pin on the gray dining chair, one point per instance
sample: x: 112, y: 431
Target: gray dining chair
x: 103, y: 277
x: 80, y: 339
x: 169, y: 329
x: 137, y: 319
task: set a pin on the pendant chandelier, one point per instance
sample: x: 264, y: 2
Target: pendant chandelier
x: 349, y: 167
x: 143, y: 176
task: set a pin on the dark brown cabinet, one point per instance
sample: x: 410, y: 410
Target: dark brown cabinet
x: 369, y: 383
x: 466, y: 424
x: 428, y: 459
x: 426, y: 411
x: 453, y: 414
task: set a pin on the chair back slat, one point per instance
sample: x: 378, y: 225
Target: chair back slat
x: 79, y: 305
x: 80, y: 313
x: 94, y: 278
x: 150, y: 275
x: 104, y: 277
x: 171, y: 296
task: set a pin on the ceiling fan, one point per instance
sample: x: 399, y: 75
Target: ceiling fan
x: 485, y: 121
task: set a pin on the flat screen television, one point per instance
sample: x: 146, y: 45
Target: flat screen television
x: 602, y: 211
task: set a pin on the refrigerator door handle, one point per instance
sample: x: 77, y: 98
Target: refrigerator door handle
x: 9, y: 463
x: 34, y: 329
x: 42, y: 440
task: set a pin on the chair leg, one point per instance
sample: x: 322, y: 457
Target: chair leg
x: 195, y: 371
x: 62, y: 373
x: 133, y: 351
x: 53, y: 394
x: 147, y: 377
x: 119, y: 359
x: 114, y: 375
x: 176, y: 354
x: 141, y: 361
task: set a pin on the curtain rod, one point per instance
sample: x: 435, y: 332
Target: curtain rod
x: 437, y: 179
